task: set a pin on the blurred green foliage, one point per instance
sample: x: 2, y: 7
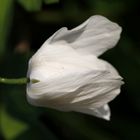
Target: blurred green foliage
x: 51, y: 1
x: 24, y: 26
x: 10, y: 126
x: 5, y: 19
x: 31, y: 5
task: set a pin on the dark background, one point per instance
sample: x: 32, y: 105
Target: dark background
x: 24, y: 26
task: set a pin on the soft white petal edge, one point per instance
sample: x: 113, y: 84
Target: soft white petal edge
x: 95, y: 36
x: 101, y: 112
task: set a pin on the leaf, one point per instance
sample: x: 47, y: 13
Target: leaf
x: 31, y: 5
x: 10, y: 126
x: 5, y: 20
x: 51, y: 1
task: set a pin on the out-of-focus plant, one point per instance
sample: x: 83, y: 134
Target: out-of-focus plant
x: 6, y: 15
x: 6, y: 8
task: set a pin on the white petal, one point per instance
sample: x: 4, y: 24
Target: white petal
x: 102, y: 112
x: 71, y: 77
x: 72, y: 82
x: 51, y: 59
x: 101, y: 90
x: 94, y: 36
x: 60, y: 84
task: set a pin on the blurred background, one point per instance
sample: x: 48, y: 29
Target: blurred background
x: 24, y: 26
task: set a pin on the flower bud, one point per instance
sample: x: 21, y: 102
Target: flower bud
x: 68, y: 74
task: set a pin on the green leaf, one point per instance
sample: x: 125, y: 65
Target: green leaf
x: 51, y: 1
x: 6, y: 8
x: 10, y: 126
x: 31, y: 5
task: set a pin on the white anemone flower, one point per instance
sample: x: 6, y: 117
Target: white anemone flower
x: 66, y: 73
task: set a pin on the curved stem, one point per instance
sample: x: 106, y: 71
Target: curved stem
x: 17, y: 81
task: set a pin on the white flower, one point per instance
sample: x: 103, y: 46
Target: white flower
x: 66, y: 73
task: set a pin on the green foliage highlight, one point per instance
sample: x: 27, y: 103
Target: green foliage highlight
x: 51, y: 1
x: 10, y: 126
x: 31, y: 5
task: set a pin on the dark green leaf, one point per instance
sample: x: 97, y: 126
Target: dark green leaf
x: 6, y: 8
x: 51, y: 1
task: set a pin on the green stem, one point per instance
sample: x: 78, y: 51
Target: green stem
x: 18, y: 81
